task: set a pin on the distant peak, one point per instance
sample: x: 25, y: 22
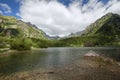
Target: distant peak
x: 111, y: 14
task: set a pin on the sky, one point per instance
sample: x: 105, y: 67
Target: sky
x: 59, y: 17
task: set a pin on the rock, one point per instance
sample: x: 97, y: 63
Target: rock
x: 102, y: 60
x: 91, y: 54
x: 118, y: 64
x: 49, y: 72
x: 1, y: 20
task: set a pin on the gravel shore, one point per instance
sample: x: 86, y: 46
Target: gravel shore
x: 87, y: 69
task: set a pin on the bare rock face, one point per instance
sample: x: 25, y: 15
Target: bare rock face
x: 91, y: 54
x: 102, y: 60
x: 1, y: 20
x: 12, y: 27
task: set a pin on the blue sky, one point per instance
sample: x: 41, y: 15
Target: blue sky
x: 59, y: 17
x: 13, y: 5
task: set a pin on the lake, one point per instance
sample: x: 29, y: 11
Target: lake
x: 25, y: 61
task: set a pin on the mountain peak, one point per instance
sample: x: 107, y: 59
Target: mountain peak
x: 108, y: 22
x: 12, y: 27
x: 111, y: 15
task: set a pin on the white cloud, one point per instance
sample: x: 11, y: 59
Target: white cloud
x: 57, y: 19
x: 5, y: 8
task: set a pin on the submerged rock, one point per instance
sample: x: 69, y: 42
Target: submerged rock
x: 91, y: 54
x: 102, y: 60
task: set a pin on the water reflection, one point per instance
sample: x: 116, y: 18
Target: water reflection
x: 28, y: 60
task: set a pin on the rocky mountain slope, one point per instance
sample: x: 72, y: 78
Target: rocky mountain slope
x: 109, y: 24
x: 103, y: 32
x: 11, y: 27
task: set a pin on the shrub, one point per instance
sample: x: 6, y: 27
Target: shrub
x: 21, y: 44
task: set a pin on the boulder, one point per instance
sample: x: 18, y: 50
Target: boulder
x: 91, y: 54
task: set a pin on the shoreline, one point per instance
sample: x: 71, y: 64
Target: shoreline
x: 91, y: 67
x: 80, y: 70
x: 10, y: 51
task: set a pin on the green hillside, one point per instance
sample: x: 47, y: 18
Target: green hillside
x: 11, y: 27
x: 103, y: 32
x: 17, y: 34
x: 109, y: 24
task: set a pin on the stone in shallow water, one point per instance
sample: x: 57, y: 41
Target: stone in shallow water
x: 91, y: 54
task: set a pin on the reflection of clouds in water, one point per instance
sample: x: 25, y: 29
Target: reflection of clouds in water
x: 62, y: 56
x: 57, y: 57
x: 50, y: 57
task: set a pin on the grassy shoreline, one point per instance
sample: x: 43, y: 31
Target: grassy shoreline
x: 8, y: 51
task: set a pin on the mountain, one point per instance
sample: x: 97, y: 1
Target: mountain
x: 109, y: 24
x: 53, y: 37
x: 11, y: 27
x: 79, y: 33
x: 21, y: 35
x: 103, y: 32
